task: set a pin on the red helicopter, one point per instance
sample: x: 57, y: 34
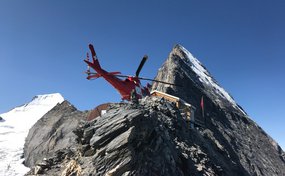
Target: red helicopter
x: 125, y: 87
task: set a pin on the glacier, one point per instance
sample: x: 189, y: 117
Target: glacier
x: 14, y: 128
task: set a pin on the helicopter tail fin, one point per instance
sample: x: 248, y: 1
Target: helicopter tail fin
x: 94, y: 56
x: 97, y: 75
x: 93, y: 76
x: 95, y: 62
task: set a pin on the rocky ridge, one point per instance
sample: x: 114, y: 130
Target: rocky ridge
x: 146, y: 139
x: 152, y: 138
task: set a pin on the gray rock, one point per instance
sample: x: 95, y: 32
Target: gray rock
x: 52, y: 133
x: 144, y: 141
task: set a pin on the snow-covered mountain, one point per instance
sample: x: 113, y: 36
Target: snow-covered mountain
x: 14, y: 128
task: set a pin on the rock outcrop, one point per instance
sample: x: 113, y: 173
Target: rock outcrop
x: 146, y: 139
x: 152, y: 138
x: 52, y: 133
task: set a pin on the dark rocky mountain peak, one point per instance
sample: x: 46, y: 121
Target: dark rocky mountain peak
x: 223, y: 116
x: 182, y: 68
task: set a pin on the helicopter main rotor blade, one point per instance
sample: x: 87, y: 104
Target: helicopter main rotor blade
x: 147, y: 79
x: 163, y: 82
x: 141, y: 65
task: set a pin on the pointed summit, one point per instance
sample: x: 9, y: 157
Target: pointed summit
x: 184, y: 69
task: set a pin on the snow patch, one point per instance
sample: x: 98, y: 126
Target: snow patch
x: 14, y: 129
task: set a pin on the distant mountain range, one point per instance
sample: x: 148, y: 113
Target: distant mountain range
x: 14, y: 127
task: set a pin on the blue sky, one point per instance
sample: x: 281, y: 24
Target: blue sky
x: 242, y: 43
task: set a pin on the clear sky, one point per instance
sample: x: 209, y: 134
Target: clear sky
x: 242, y: 43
